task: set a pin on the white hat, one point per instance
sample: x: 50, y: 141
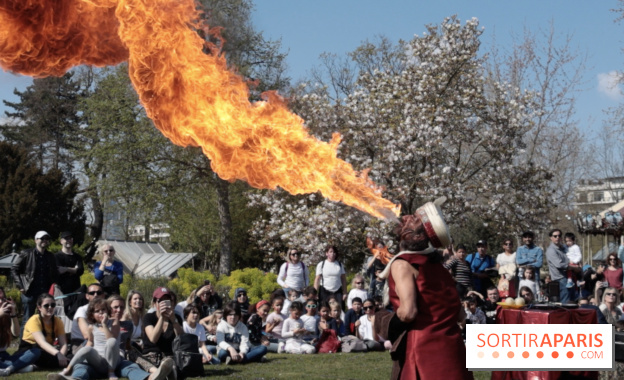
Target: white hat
x: 436, y: 229
x: 41, y: 234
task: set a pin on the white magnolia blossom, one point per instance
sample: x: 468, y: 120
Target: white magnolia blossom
x: 437, y: 128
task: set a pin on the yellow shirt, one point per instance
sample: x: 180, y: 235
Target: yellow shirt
x: 34, y: 325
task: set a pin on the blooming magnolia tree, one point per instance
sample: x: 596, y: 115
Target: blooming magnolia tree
x: 435, y: 128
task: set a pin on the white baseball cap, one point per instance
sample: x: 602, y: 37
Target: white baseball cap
x: 42, y: 234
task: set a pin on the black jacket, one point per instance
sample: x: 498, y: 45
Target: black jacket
x: 23, y: 269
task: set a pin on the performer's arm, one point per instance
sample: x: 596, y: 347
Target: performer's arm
x: 405, y: 285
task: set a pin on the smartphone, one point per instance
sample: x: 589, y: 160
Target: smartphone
x: 167, y: 303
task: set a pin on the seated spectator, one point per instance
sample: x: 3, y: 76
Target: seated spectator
x: 365, y: 329
x: 210, y: 325
x: 274, y: 324
x: 527, y: 294
x: 243, y: 303
x: 490, y: 304
x: 357, y: 289
x: 80, y: 326
x: 326, y: 321
x: 352, y: 316
x: 207, y: 300
x: 309, y: 292
x: 585, y: 304
x: 331, y: 301
x: 310, y: 322
x: 191, y: 325
x: 159, y: 330
x: 233, y: 338
x: 529, y: 279
x: 293, y: 331
x: 609, y: 305
x: 293, y: 296
x: 135, y: 310
x: 592, y: 279
x: 473, y: 314
x: 22, y: 360
x: 102, y: 350
x: 334, y: 312
x: 42, y: 330
x: 256, y: 324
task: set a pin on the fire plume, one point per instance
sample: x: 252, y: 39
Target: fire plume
x: 191, y: 96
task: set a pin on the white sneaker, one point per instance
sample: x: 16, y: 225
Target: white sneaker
x: 570, y: 284
x: 28, y: 368
x: 163, y: 370
x: 280, y: 347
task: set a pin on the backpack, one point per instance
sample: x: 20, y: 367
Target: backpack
x: 186, y: 356
x: 352, y: 344
x: 328, y: 342
x: 303, y: 268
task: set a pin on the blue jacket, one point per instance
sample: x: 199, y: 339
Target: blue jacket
x: 530, y: 256
x: 478, y: 265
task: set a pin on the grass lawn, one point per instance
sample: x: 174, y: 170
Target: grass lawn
x: 374, y: 365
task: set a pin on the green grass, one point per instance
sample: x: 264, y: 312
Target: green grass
x: 360, y: 366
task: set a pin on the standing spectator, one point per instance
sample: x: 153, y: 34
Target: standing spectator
x: 558, y: 263
x: 380, y: 257
x: 108, y: 271
x: 233, y: 338
x: 357, y: 289
x: 331, y: 277
x: 529, y: 279
x: 34, y: 271
x: 293, y: 274
x: 460, y: 269
x: 621, y: 249
x: 80, y: 326
x: 506, y: 261
x: 479, y: 262
x: 42, y: 331
x: 530, y: 254
x: 575, y: 257
x: 69, y: 265
x: 593, y: 280
x: 613, y: 274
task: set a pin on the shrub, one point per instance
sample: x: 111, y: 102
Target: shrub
x: 258, y: 284
x: 189, y: 280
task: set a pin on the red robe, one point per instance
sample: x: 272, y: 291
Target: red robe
x: 434, y: 348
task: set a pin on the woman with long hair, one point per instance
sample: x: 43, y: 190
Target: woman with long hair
x: 42, y: 330
x: 22, y: 360
x: 613, y: 274
x: 609, y: 305
x: 135, y: 310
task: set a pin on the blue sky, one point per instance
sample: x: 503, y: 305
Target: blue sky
x: 309, y: 28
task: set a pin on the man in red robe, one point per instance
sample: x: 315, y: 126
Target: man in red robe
x: 427, y: 342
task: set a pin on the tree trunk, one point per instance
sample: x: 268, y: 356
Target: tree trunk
x: 98, y: 217
x: 223, y: 200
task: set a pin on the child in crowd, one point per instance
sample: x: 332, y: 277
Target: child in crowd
x: 233, y: 338
x: 293, y: 331
x: 334, y: 312
x: 357, y: 289
x: 575, y: 257
x: 326, y: 321
x: 379, y: 283
x: 353, y: 315
x: 292, y: 297
x: 310, y: 322
x: 309, y: 293
x: 274, y: 324
x: 529, y: 279
x: 191, y: 325
x: 210, y: 325
x: 473, y: 314
x: 256, y: 323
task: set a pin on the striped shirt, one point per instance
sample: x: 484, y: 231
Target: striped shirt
x: 461, y: 271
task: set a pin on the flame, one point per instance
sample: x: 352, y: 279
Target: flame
x: 191, y: 96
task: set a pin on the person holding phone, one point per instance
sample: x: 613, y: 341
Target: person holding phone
x: 22, y: 360
x: 160, y: 328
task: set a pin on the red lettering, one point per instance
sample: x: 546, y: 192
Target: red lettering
x: 558, y: 339
x: 546, y: 340
x: 581, y: 340
x: 505, y: 339
x: 533, y: 338
x: 598, y: 340
x: 488, y: 340
x: 569, y: 341
x: 479, y: 339
x: 516, y: 335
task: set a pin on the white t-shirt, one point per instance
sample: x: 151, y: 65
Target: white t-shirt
x: 81, y: 312
x: 502, y: 259
x: 330, y: 273
x: 356, y: 293
x: 574, y: 254
x: 199, y: 330
x: 366, y: 328
x: 310, y: 323
x: 295, y: 277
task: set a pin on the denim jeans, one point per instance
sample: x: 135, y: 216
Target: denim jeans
x: 19, y: 359
x: 564, y: 295
x: 29, y: 306
x: 253, y: 355
x: 125, y: 368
